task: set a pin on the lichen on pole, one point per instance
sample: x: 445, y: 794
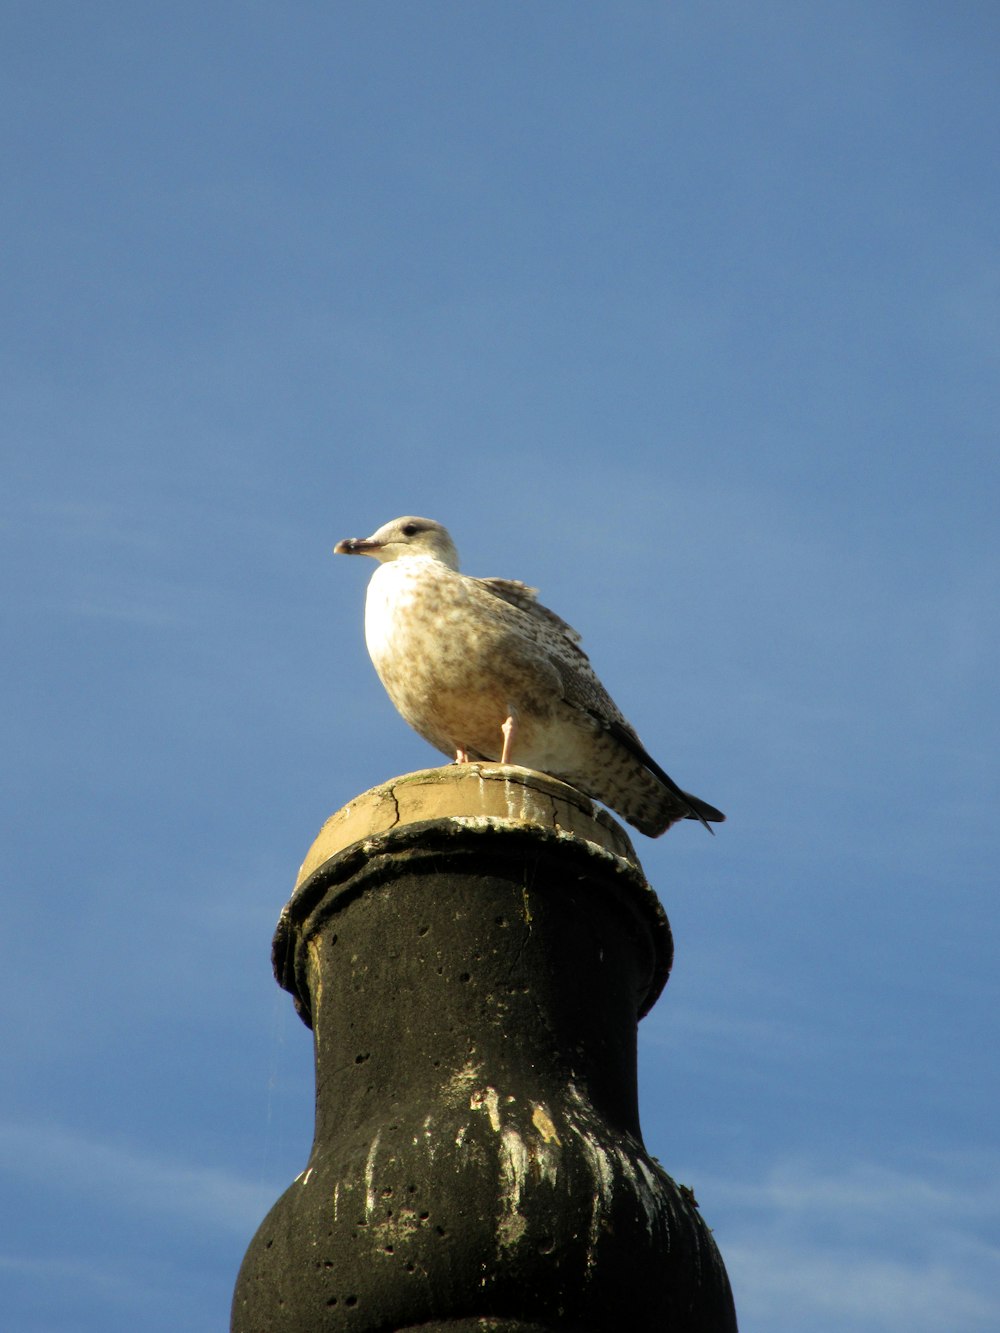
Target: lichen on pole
x: 473, y: 947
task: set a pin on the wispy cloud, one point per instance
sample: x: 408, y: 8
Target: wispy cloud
x: 130, y: 1181
x: 779, y: 1289
x: 865, y: 1248
x: 956, y: 1188
x: 111, y: 1281
x: 688, y: 1028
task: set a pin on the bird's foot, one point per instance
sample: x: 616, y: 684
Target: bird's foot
x: 461, y: 756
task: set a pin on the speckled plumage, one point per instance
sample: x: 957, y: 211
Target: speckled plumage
x: 459, y: 655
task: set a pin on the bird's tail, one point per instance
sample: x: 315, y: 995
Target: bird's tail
x: 702, y: 811
x: 693, y: 806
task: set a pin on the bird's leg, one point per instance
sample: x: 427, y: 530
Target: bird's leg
x: 509, y: 729
x: 461, y: 756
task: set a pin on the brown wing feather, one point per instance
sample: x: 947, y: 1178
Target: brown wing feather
x: 582, y: 689
x: 518, y: 594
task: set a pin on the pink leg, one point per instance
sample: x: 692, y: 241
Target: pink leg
x: 509, y: 729
x: 461, y: 756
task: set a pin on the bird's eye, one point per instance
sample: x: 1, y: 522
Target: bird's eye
x: 410, y: 529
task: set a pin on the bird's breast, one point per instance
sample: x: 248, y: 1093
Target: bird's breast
x: 418, y: 627
x: 408, y: 610
x: 445, y: 661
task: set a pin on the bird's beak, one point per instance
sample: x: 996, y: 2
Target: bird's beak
x: 357, y: 546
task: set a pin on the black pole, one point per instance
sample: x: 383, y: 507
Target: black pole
x: 473, y: 947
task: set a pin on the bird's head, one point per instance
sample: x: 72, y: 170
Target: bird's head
x: 407, y: 536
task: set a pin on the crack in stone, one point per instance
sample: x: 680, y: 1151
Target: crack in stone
x: 395, y: 802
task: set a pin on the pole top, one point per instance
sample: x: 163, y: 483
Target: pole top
x: 501, y: 794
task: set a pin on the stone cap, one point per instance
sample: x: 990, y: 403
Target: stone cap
x: 501, y: 793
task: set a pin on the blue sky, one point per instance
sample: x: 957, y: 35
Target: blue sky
x: 686, y: 314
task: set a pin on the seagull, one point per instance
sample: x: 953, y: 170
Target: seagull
x: 483, y: 671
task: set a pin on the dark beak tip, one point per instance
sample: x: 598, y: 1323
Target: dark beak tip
x: 356, y: 546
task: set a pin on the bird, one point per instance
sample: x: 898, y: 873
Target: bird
x: 484, y: 672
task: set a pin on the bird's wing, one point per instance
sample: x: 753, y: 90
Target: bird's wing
x: 559, y: 643
x: 525, y: 599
